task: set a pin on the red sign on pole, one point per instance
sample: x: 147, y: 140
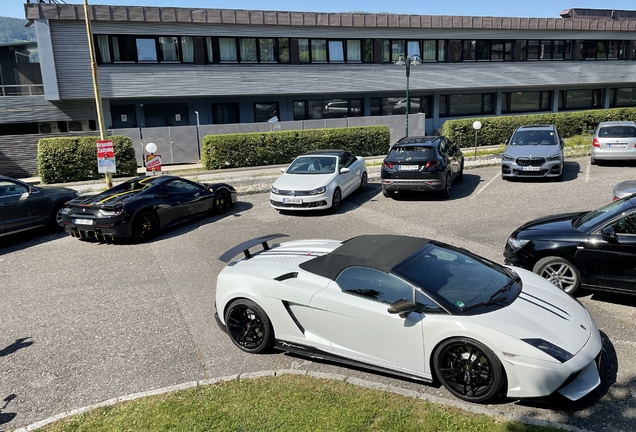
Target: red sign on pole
x: 153, y: 164
x: 105, y: 149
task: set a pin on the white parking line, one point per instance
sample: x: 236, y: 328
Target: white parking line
x: 588, y: 166
x: 485, y: 186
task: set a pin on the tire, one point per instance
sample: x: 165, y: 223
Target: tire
x: 364, y: 182
x: 593, y: 161
x: 446, y: 193
x: 145, y: 226
x: 469, y: 369
x: 249, y: 326
x: 560, y: 272
x: 56, y: 223
x: 336, y: 201
x: 460, y: 177
x: 386, y: 193
x: 222, y: 201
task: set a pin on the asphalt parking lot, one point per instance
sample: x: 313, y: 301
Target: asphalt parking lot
x: 85, y: 321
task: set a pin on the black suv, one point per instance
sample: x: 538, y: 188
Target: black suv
x: 533, y: 151
x: 422, y: 163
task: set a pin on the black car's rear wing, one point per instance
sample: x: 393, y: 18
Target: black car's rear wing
x: 245, y: 247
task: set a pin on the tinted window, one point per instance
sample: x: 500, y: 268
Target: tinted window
x: 589, y: 220
x: 10, y: 188
x: 625, y: 225
x: 313, y: 165
x: 617, y: 132
x: 406, y: 154
x: 426, y: 305
x: 374, y: 285
x: 349, y: 159
x: 533, y: 137
x: 181, y: 186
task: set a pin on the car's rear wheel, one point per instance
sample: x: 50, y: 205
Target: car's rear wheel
x: 249, y: 326
x: 222, y: 201
x: 469, y: 369
x: 364, y: 182
x: 560, y: 272
x: 460, y: 177
x: 592, y: 161
x: 145, y: 226
x: 446, y: 192
x: 336, y: 201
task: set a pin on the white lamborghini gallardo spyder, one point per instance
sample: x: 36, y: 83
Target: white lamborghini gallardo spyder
x: 412, y: 307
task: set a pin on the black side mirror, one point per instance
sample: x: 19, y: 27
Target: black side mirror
x: 608, y: 233
x: 402, y: 307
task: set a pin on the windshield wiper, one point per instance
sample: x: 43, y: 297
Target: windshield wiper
x: 494, y: 298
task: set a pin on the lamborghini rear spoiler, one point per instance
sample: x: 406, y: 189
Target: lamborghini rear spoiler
x: 245, y: 247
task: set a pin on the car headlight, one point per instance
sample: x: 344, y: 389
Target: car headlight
x: 554, y: 157
x: 508, y: 157
x: 516, y: 244
x: 114, y: 212
x: 318, y: 191
x: 274, y: 190
x: 550, y: 349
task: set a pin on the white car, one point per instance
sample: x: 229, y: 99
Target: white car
x: 319, y: 180
x: 411, y: 307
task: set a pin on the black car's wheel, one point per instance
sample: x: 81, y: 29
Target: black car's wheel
x: 222, y: 201
x: 336, y: 201
x: 364, y: 182
x: 56, y: 222
x: 145, y: 225
x: 249, y: 326
x: 468, y: 369
x: 446, y: 192
x: 460, y: 176
x: 560, y: 272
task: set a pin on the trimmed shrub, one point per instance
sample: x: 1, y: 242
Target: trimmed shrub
x: 269, y: 148
x: 496, y: 130
x: 68, y: 159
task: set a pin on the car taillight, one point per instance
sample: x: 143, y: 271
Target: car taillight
x: 432, y: 164
x: 388, y: 165
x: 595, y: 143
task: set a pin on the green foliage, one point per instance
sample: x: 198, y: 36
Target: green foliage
x: 496, y: 130
x: 68, y: 159
x: 13, y: 30
x: 269, y: 148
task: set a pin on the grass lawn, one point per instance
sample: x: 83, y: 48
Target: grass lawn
x: 285, y: 403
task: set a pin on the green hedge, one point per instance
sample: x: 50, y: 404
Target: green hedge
x: 269, y: 148
x: 68, y: 159
x: 496, y: 130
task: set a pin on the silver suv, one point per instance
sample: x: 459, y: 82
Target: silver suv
x: 614, y: 140
x: 533, y: 151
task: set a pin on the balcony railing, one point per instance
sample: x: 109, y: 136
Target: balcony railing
x: 22, y: 90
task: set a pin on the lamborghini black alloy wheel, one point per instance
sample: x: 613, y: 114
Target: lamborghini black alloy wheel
x: 248, y: 326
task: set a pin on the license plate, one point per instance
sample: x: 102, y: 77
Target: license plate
x: 292, y: 200
x: 409, y: 167
x: 531, y: 168
x: 617, y: 145
x: 83, y: 221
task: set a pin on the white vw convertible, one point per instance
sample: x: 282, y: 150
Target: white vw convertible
x: 319, y: 180
x: 412, y: 307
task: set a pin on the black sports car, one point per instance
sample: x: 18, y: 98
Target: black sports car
x: 24, y: 207
x: 595, y: 249
x: 422, y: 163
x: 140, y: 207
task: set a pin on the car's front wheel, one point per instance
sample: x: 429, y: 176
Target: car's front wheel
x: 560, y: 272
x: 249, y: 326
x: 336, y: 201
x: 469, y: 369
x: 364, y: 182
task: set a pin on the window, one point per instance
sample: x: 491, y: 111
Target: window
x: 413, y: 48
x: 265, y: 111
x: 580, y: 99
x: 283, y: 50
x: 374, y: 285
x: 497, y: 50
x: 546, y: 50
x: 625, y: 225
x: 225, y: 113
x: 267, y: 50
x: 8, y: 188
x: 187, y: 49
x: 601, y: 50
x: 466, y: 104
x: 615, y: 50
x: 397, y: 105
x: 532, y: 50
x: 181, y: 186
x: 524, y: 101
x: 318, y: 50
x: 336, y: 51
x: 248, y: 50
x: 102, y: 49
x: 482, y: 50
x: 169, y: 47
x: 386, y: 51
x: 441, y: 51
x: 468, y: 50
x: 303, y: 50
x: 300, y: 108
x: 367, y: 55
x: 622, y: 97
x: 558, y: 50
x: 146, y: 50
x: 354, y: 52
x: 429, y: 51
x: 427, y: 306
x: 328, y: 108
x: 124, y: 49
x: 588, y: 50
x: 227, y: 50
x: 398, y: 48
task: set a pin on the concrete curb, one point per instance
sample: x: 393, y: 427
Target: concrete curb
x: 473, y: 408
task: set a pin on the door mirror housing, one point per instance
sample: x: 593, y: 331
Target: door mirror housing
x: 608, y: 233
x: 401, y: 307
x: 344, y: 170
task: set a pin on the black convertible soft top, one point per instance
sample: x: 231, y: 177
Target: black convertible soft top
x: 381, y: 252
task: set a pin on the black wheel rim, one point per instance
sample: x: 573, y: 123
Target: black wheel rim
x: 146, y: 227
x: 336, y: 200
x: 221, y: 202
x: 466, y: 370
x: 561, y: 275
x: 245, y: 327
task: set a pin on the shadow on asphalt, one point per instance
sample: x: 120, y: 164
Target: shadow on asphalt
x: 15, y: 346
x: 357, y: 198
x: 459, y: 190
x: 615, y: 298
x: 7, y: 417
x: 571, y: 171
x: 27, y: 239
x: 622, y: 163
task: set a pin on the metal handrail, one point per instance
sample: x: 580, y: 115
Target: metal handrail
x: 20, y: 90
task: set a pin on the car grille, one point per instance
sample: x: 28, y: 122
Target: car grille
x: 293, y: 193
x: 530, y: 173
x: 536, y: 161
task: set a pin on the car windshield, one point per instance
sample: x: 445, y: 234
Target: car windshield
x: 590, y: 220
x: 533, y: 137
x: 313, y: 165
x: 462, y: 279
x: 617, y: 132
x: 410, y: 153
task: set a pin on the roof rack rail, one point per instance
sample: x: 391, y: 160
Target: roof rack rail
x: 245, y: 247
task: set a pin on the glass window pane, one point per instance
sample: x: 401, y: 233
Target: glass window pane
x: 546, y: 101
x: 187, y: 48
x: 601, y: 50
x: 169, y: 46
x: 225, y: 113
x: 587, y: 98
x: 315, y: 109
x: 267, y: 49
x: 367, y: 55
x: 393, y: 105
x: 521, y: 46
x: 227, y: 49
x: 318, y: 50
x: 468, y: 50
x: 426, y: 106
x: 336, y: 51
x: 356, y: 107
x: 375, y: 107
x: 124, y: 48
x: 613, y: 50
x: 386, y: 50
x: 558, y: 48
x: 103, y: 49
x: 353, y: 50
x: 508, y: 51
x: 265, y: 111
x: 303, y: 50
x: 248, y: 50
x: 397, y: 49
x: 567, y: 50
x: 413, y: 48
x: 283, y: 50
x: 209, y: 46
x: 299, y: 110
x: 443, y: 105
x: 465, y: 104
x: 146, y: 50
x: 497, y: 50
x: 482, y: 48
x: 334, y: 108
x: 533, y: 50
x: 488, y: 105
x: 524, y: 101
x: 441, y: 50
x: 429, y: 51
x: 624, y: 97
x: 546, y: 50
x: 376, y: 286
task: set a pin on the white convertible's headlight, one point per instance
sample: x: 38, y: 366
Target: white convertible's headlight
x: 516, y: 244
x: 274, y: 190
x: 317, y: 191
x: 508, y: 157
x: 555, y: 157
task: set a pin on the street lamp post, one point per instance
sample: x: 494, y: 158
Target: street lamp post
x: 409, y: 61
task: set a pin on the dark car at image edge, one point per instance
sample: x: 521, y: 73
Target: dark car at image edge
x: 141, y: 207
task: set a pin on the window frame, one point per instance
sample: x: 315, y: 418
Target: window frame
x: 158, y: 51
